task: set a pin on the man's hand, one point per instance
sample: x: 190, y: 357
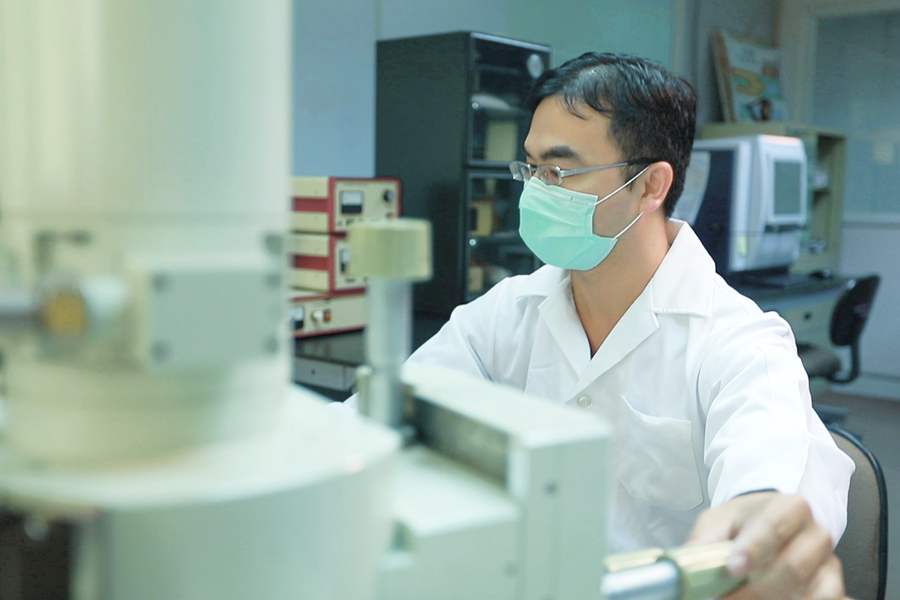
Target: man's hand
x: 778, y: 546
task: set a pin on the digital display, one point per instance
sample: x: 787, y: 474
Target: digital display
x: 787, y: 188
x: 351, y: 202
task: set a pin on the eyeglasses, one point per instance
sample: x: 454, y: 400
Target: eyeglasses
x: 553, y: 175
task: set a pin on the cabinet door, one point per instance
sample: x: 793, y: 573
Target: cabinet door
x: 494, y: 248
x: 502, y: 77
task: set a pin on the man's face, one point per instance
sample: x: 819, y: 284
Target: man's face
x: 569, y: 141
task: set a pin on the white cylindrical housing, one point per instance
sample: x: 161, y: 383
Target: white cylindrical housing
x: 145, y: 112
x: 139, y: 139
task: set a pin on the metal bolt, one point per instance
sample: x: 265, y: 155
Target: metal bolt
x: 408, y: 435
x: 36, y: 528
x: 273, y: 243
x: 80, y: 238
x: 160, y: 283
x: 160, y: 351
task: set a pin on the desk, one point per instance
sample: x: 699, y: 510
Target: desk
x: 806, y: 307
x: 327, y: 364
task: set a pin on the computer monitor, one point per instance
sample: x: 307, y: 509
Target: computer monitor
x: 746, y: 198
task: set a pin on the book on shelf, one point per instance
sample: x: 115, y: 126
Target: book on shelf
x: 748, y: 75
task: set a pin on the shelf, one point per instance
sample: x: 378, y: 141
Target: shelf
x: 451, y: 155
x: 502, y: 167
x: 505, y: 114
x: 510, y: 71
x: 499, y: 236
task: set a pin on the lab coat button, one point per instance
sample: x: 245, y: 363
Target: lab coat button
x: 585, y: 402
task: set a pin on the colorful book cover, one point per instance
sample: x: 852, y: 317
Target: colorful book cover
x: 748, y: 73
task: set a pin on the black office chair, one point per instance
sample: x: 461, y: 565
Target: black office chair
x: 863, y: 549
x: 847, y: 322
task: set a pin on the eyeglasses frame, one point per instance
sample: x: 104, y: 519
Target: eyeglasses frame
x: 514, y: 168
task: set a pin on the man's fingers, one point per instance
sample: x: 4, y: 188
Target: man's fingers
x: 826, y: 584
x: 801, y: 561
x: 723, y: 522
x: 829, y: 584
x: 778, y: 547
x: 765, y: 533
x: 798, y: 570
x: 712, y: 526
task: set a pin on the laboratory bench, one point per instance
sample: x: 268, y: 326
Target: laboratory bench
x: 806, y: 302
x: 327, y: 364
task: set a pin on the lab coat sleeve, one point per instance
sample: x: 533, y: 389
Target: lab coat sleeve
x: 761, y: 431
x: 466, y: 342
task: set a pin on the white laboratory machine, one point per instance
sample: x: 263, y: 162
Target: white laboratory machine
x: 150, y: 445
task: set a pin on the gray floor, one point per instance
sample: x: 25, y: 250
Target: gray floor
x: 877, y: 422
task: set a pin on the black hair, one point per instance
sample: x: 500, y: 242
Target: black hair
x: 652, y: 112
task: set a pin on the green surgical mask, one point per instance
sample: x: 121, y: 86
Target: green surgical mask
x: 557, y: 224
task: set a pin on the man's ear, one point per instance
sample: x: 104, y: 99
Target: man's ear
x: 657, y: 183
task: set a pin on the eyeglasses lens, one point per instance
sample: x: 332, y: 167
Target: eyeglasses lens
x: 548, y: 174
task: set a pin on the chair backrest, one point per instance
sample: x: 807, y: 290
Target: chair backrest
x: 849, y: 318
x: 852, y: 310
x: 863, y: 547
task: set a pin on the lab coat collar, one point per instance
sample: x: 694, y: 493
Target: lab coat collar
x: 637, y: 324
x: 558, y: 312
x: 682, y: 284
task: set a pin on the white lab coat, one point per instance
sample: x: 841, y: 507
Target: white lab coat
x: 705, y: 391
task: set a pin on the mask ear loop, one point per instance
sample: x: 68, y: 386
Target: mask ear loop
x: 626, y: 184
x: 621, y: 187
x: 621, y: 233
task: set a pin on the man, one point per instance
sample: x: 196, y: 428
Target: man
x: 629, y: 320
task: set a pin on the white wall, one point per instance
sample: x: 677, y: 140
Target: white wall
x: 334, y: 57
x: 871, y: 248
x: 857, y: 90
x: 405, y: 18
x: 334, y: 88
x: 572, y: 27
x: 334, y: 71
